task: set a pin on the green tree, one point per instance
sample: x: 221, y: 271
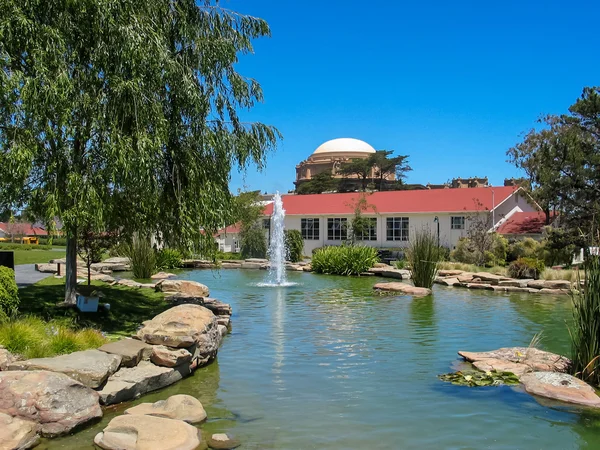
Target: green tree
x: 360, y: 225
x: 126, y: 113
x: 386, y: 165
x: 361, y: 168
x: 321, y: 182
x: 248, y: 212
x: 294, y: 245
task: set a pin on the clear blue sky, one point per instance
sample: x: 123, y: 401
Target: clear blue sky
x: 451, y: 84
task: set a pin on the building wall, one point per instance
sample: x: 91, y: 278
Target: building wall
x: 515, y: 203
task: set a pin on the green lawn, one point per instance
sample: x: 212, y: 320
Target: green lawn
x: 36, y: 256
x: 128, y: 307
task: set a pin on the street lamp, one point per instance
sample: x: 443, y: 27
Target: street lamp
x: 437, y: 221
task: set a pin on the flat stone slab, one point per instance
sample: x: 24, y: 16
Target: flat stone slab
x: 163, y: 275
x: 490, y: 277
x: 131, y: 351
x: 515, y: 283
x: 169, y: 357
x: 17, y: 433
x: 55, y: 401
x: 130, y: 383
x: 536, y: 360
x: 562, y: 387
x: 179, y: 407
x: 148, y: 433
x: 499, y: 365
x: 404, y: 288
x: 218, y: 308
x: 182, y: 286
x: 549, y: 284
x: 222, y: 441
x: 447, y: 281
x: 90, y: 367
x: 450, y: 272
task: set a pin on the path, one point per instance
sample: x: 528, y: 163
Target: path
x: 26, y: 275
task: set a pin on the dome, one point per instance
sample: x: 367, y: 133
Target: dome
x: 344, y: 145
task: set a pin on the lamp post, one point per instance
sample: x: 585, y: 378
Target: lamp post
x: 437, y: 221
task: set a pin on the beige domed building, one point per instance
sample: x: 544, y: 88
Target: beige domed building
x: 330, y: 156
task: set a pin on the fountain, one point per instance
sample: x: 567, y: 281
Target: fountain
x: 277, y: 250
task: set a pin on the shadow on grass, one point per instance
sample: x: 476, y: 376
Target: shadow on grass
x: 128, y: 307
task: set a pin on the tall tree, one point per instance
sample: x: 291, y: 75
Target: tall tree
x: 359, y: 167
x: 125, y: 112
x: 386, y: 165
x: 321, y: 182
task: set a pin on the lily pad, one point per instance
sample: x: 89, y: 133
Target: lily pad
x: 475, y: 378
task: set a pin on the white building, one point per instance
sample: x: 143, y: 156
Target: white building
x: 324, y: 219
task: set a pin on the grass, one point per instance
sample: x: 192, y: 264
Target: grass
x: 36, y: 256
x: 128, y: 307
x: 548, y: 274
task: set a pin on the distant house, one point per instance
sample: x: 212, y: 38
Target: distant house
x: 524, y: 224
x: 324, y: 219
x: 228, y: 239
x: 18, y: 230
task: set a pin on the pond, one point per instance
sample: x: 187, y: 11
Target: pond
x: 329, y: 364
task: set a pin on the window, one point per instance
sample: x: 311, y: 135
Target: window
x: 457, y: 223
x: 310, y: 228
x: 368, y: 231
x: 397, y: 228
x: 267, y: 224
x: 337, y: 229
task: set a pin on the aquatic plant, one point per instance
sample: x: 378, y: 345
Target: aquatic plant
x: 168, y: 258
x: 344, y: 260
x: 423, y: 257
x: 476, y: 378
x: 141, y: 256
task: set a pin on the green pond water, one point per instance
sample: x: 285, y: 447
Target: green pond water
x: 328, y: 364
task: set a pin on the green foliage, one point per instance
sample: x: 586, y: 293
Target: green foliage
x: 585, y: 331
x: 478, y: 379
x: 526, y: 268
x: 465, y: 252
x: 400, y: 264
x: 557, y: 247
x: 321, y: 182
x: 168, y: 258
x: 142, y: 257
x: 222, y: 256
x: 253, y: 243
x: 56, y: 242
x: 491, y: 251
x: 524, y: 248
x: 344, y: 260
x: 32, y: 337
x: 5, y: 246
x: 423, y: 257
x: 9, y: 293
x: 294, y: 245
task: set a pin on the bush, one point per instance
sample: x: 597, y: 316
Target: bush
x: 9, y: 293
x: 142, y: 257
x: 253, y: 243
x: 423, y: 258
x: 15, y: 246
x: 524, y: 248
x: 168, y: 258
x: 57, y: 241
x: 222, y: 256
x: 465, y: 252
x: 344, y: 260
x: 526, y: 268
x: 400, y: 264
x: 585, y: 331
x: 294, y: 245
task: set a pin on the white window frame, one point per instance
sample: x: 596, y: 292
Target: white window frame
x: 309, y: 231
x: 338, y: 227
x: 371, y: 233
x: 457, y: 226
x: 399, y: 233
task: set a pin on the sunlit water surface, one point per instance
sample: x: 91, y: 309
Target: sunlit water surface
x: 328, y: 364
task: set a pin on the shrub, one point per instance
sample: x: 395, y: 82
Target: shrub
x: 585, y: 331
x: 423, y: 258
x: 526, y: 268
x: 17, y: 246
x: 222, y: 256
x: 168, y: 258
x: 9, y: 293
x: 294, y: 245
x: 142, y: 257
x: 465, y: 252
x: 524, y: 248
x: 400, y: 264
x: 253, y: 243
x: 344, y: 260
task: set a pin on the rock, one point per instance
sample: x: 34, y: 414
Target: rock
x: 179, y: 407
x: 117, y: 260
x: 390, y: 272
x: 555, y: 291
x: 537, y: 360
x: 148, y: 285
x: 465, y: 277
x: 55, y: 401
x: 560, y: 386
x: 131, y: 351
x: 490, y: 278
x: 130, y: 383
x: 514, y: 283
x: 402, y: 287
x: 129, y: 283
x: 112, y: 267
x: 6, y: 358
x: 90, y: 367
x: 17, y: 433
x: 182, y: 286
x: 222, y: 441
x: 218, y: 308
x: 257, y: 260
x: 148, y: 433
x: 483, y: 286
x: 163, y: 275
x: 509, y: 289
x: 307, y: 268
x: 450, y: 281
x: 47, y: 268
x: 222, y: 330
x: 103, y: 277
x: 223, y: 320
x: 450, y: 273
x: 169, y: 357
x: 183, y: 326
x: 252, y: 265
x: 549, y: 284
x: 500, y: 365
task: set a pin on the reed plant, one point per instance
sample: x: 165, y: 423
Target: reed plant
x: 344, y: 260
x: 141, y: 256
x: 423, y: 258
x: 585, y: 331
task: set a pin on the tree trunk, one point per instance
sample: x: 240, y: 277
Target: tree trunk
x: 71, y: 272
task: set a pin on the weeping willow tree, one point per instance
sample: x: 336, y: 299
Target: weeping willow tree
x: 123, y: 114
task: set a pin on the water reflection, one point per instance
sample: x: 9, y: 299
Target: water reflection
x: 422, y: 323
x: 278, y: 332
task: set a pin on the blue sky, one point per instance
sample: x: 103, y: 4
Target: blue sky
x: 451, y: 84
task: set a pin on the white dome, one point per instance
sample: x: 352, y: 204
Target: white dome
x: 344, y: 145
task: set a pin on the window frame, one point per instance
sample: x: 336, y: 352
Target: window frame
x: 312, y: 232
x: 453, y: 226
x: 397, y: 233
x: 341, y: 232
x: 371, y: 231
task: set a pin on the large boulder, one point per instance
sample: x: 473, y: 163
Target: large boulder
x: 163, y: 275
x: 562, y: 387
x: 169, y: 357
x: 55, y: 401
x: 179, y: 407
x: 148, y: 433
x: 6, y: 358
x: 403, y: 288
x: 130, y: 383
x: 17, y: 433
x: 183, y: 326
x: 218, y: 308
x: 533, y: 358
x: 131, y: 351
x: 90, y: 367
x: 182, y: 286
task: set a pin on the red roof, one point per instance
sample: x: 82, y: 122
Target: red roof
x: 410, y: 201
x: 524, y: 223
x: 22, y: 229
x: 231, y: 229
